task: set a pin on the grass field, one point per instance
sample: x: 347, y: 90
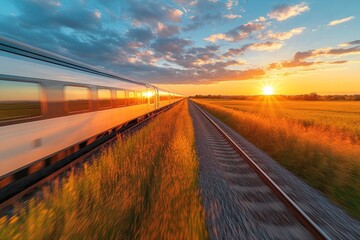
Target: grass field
x: 318, y: 141
x: 143, y: 188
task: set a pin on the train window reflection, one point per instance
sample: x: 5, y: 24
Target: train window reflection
x: 104, y: 98
x: 131, y: 100
x: 19, y: 100
x: 151, y: 95
x: 138, y: 98
x: 120, y: 98
x: 77, y: 98
x: 145, y: 97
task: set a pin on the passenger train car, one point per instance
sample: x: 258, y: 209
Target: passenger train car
x: 52, y: 106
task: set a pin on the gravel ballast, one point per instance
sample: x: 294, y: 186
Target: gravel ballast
x: 240, y: 206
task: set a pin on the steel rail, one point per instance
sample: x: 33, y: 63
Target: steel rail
x: 300, y: 215
x: 15, y: 198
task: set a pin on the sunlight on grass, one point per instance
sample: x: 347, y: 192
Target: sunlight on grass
x: 304, y: 141
x: 143, y: 188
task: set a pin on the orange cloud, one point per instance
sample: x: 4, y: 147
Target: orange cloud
x: 218, y: 36
x: 175, y: 15
x: 299, y: 59
x: 267, y: 46
x: 284, y: 12
x: 286, y: 35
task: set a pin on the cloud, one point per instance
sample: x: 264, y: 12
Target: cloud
x: 170, y: 46
x: 283, y: 12
x: 266, y: 46
x: 236, y: 34
x: 356, y: 42
x: 140, y: 34
x: 51, y: 14
x: 300, y: 59
x: 205, y: 13
x: 285, y: 35
x: 243, y: 31
x: 195, y: 57
x: 164, y: 30
x: 260, y: 19
x: 175, y: 15
x: 293, y: 64
x: 299, y: 56
x: 231, y: 3
x: 187, y: 2
x: 339, y: 21
x: 218, y: 36
x: 232, y: 16
x: 149, y: 12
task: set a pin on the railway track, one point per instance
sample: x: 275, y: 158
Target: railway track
x: 22, y: 190
x: 241, y: 201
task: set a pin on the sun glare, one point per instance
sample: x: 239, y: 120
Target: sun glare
x: 268, y: 90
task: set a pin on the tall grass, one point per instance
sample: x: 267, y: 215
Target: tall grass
x: 325, y: 161
x: 142, y: 188
x: 338, y: 118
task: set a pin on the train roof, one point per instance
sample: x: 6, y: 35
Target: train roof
x: 15, y: 47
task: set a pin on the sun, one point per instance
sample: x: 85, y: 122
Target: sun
x: 268, y: 90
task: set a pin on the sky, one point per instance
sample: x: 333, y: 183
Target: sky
x: 232, y: 47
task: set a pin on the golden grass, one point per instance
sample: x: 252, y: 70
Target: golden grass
x: 143, y: 188
x: 340, y: 118
x: 324, y: 157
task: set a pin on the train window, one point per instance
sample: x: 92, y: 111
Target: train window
x: 19, y: 100
x: 152, y: 97
x: 131, y: 99
x: 104, y: 98
x: 77, y: 98
x: 120, y: 98
x: 138, y: 98
x: 145, y: 96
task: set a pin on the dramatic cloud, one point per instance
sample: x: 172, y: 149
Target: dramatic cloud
x: 285, y: 35
x: 160, y: 41
x: 284, y: 12
x: 339, y: 21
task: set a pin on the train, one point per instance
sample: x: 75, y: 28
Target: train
x: 52, y: 106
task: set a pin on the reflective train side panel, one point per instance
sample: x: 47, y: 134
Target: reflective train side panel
x: 46, y: 108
